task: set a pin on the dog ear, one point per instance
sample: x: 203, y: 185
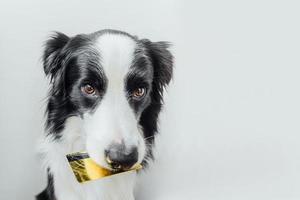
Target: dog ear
x: 52, y: 53
x: 162, y: 60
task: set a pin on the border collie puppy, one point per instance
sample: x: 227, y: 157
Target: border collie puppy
x: 105, y: 97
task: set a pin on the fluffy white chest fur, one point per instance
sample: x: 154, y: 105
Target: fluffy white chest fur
x: 66, y: 187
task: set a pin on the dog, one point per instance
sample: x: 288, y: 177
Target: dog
x: 105, y: 96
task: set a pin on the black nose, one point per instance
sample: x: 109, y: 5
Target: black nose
x: 121, y: 158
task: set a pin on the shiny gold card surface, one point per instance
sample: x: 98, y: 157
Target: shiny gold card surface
x: 85, y: 169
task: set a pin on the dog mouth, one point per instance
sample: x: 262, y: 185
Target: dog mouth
x: 86, y: 169
x: 117, y: 168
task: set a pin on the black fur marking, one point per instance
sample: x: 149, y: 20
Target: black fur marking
x: 70, y: 64
x: 53, y: 48
x: 162, y: 61
x: 48, y: 193
x: 135, y: 79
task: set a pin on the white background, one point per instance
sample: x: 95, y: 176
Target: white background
x: 230, y: 128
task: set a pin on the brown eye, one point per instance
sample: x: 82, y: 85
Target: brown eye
x: 88, y: 89
x: 139, y: 93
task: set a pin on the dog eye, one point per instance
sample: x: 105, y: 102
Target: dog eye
x: 88, y: 89
x: 139, y: 93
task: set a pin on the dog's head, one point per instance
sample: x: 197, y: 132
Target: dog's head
x: 114, y: 83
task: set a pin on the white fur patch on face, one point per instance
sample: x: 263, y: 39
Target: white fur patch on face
x: 114, y: 121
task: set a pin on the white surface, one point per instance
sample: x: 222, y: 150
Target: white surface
x: 231, y: 126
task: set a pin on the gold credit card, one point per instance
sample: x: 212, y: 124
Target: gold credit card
x: 85, y: 169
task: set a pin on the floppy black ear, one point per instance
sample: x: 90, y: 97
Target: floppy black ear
x: 162, y: 61
x: 52, y: 52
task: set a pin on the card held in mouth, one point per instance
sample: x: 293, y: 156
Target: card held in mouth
x: 85, y: 169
